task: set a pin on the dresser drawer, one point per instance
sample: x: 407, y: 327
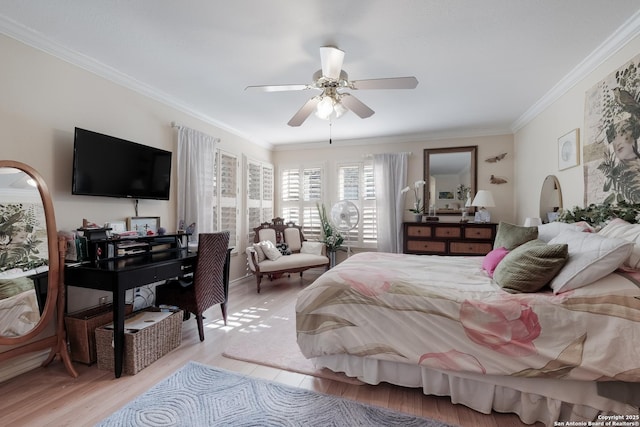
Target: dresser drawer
x: 426, y: 246
x: 444, y: 232
x: 419, y: 231
x: 484, y: 233
x: 470, y: 248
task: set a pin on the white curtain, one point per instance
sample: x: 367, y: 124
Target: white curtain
x: 390, y: 175
x: 196, y: 177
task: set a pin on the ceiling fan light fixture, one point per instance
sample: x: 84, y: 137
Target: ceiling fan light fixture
x: 324, y: 109
x: 339, y: 109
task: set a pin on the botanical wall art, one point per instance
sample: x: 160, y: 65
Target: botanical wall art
x: 612, y: 127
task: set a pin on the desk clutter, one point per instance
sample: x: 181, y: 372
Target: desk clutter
x: 92, y: 242
x: 149, y: 335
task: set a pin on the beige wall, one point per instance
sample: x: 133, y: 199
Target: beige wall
x: 536, y: 143
x: 43, y: 98
x: 354, y: 151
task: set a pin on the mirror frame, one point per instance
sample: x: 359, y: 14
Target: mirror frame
x: 473, y: 150
x: 54, y: 307
x: 549, y: 184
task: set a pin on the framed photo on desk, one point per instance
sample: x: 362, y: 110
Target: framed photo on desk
x: 143, y: 224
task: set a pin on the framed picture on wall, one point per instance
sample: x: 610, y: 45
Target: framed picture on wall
x: 569, y: 150
x: 445, y: 195
x: 144, y: 224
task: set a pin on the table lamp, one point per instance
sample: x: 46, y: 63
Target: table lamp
x: 483, y: 199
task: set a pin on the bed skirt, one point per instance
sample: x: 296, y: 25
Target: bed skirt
x: 532, y: 399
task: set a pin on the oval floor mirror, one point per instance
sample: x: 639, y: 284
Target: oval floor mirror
x: 31, y: 268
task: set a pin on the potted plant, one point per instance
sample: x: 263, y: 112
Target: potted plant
x: 418, y: 206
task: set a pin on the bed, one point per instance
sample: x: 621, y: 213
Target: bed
x: 19, y: 309
x: 443, y: 324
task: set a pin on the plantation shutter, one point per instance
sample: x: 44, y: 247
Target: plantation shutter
x: 356, y: 185
x: 259, y: 195
x: 228, y: 196
x: 301, y: 190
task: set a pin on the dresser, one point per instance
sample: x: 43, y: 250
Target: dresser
x: 448, y: 238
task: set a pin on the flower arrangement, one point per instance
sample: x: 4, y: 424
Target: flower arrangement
x: 462, y: 192
x: 330, y: 236
x: 418, y: 207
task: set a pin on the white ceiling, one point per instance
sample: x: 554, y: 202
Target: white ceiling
x: 484, y: 67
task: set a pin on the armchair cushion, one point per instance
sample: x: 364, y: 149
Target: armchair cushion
x: 313, y: 248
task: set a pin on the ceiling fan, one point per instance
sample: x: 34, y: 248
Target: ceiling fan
x: 331, y: 80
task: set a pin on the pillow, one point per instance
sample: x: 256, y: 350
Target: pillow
x: 591, y: 257
x: 511, y: 236
x: 15, y: 286
x: 621, y: 229
x: 313, y: 248
x: 271, y: 252
x: 530, y: 266
x: 259, y: 252
x: 492, y: 259
x: 546, y: 232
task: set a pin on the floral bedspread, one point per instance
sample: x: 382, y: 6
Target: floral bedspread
x: 446, y: 313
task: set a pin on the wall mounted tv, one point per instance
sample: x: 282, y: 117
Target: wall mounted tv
x: 107, y: 166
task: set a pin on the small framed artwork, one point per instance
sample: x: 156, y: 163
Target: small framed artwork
x: 569, y: 150
x: 445, y: 195
x: 144, y: 224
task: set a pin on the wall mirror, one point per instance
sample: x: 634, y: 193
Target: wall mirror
x: 31, y: 266
x: 550, y: 199
x: 451, y: 177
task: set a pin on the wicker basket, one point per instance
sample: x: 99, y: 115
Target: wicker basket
x: 143, y: 347
x: 81, y: 326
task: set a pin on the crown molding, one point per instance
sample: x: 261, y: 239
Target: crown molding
x: 613, y: 43
x: 31, y: 38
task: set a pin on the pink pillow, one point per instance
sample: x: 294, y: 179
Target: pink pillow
x: 492, y: 259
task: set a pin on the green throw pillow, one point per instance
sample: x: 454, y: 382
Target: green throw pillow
x: 530, y: 266
x: 511, y: 236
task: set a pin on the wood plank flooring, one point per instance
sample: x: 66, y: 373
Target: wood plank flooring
x: 50, y: 397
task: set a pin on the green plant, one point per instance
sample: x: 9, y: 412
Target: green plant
x: 330, y: 236
x: 598, y: 214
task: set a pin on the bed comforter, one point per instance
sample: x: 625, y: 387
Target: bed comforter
x: 445, y: 313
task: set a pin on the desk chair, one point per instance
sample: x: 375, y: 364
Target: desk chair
x: 206, y: 289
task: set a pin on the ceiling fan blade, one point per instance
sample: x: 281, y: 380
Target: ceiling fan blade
x: 304, y: 112
x: 357, y: 106
x: 390, y: 83
x: 331, y: 59
x: 277, y: 88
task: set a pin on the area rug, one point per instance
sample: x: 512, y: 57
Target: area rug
x: 200, y: 395
x: 269, y: 339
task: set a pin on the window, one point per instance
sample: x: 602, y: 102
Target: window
x: 225, y: 212
x: 259, y: 195
x: 301, y: 189
x: 356, y: 184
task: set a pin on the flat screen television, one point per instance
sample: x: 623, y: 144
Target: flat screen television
x: 107, y: 166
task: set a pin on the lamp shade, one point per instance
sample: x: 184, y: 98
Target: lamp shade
x: 483, y: 198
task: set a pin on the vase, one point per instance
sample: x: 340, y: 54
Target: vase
x: 332, y: 259
x: 418, y: 217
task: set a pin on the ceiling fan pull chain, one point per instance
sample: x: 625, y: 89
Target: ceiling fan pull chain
x: 330, y: 123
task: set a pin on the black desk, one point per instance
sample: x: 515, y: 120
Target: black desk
x: 120, y: 274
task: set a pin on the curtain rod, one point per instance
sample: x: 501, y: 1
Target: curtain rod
x: 176, y: 125
x: 408, y: 153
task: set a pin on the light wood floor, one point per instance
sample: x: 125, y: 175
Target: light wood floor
x: 50, y: 397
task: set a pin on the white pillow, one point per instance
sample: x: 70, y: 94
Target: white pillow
x: 313, y: 248
x: 546, y: 232
x: 259, y: 252
x: 621, y: 229
x: 591, y: 257
x: 272, y: 252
